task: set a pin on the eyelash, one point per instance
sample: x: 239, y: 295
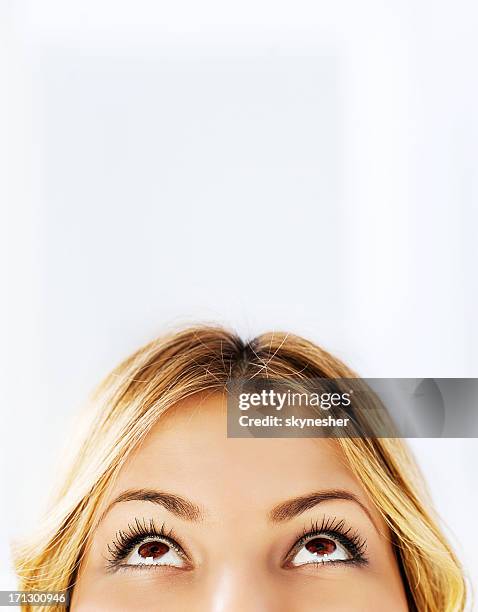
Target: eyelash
x: 337, y: 529
x: 125, y: 541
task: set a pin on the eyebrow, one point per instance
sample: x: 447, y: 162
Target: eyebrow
x: 177, y: 505
x: 189, y: 511
x: 287, y: 510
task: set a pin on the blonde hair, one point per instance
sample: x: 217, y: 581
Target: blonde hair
x: 137, y: 392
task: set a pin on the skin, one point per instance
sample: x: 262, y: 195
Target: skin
x: 239, y: 532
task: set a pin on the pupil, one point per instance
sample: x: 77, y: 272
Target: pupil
x: 321, y: 546
x: 153, y: 549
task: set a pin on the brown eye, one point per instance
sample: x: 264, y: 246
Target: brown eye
x: 153, y: 550
x: 320, y: 549
x: 321, y: 546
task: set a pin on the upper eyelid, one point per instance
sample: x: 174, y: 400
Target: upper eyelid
x: 153, y: 537
x: 328, y: 533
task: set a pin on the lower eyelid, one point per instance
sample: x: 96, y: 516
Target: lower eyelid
x: 321, y: 565
x: 150, y: 568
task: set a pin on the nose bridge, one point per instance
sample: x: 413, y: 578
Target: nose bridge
x: 244, y: 588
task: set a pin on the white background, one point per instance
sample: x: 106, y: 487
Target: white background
x: 307, y: 166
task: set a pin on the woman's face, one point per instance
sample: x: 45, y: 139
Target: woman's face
x: 200, y: 522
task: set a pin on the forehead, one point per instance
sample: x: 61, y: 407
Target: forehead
x: 188, y: 452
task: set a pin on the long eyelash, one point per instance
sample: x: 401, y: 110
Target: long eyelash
x: 125, y: 541
x: 338, y: 529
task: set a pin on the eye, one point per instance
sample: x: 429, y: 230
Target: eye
x: 142, y: 545
x: 320, y: 549
x: 331, y: 541
x: 155, y: 551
